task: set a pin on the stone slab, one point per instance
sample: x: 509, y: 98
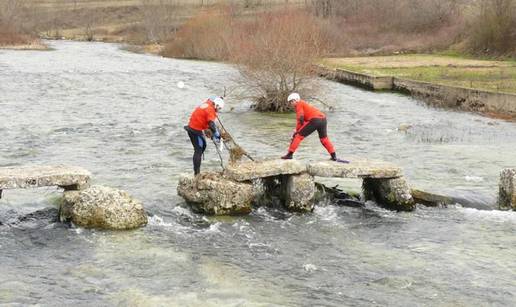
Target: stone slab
x: 43, y: 176
x: 247, y: 171
x: 356, y: 169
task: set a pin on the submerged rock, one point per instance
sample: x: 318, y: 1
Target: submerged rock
x: 435, y: 200
x: 390, y: 193
x: 404, y: 127
x: 507, y: 189
x: 103, y: 208
x: 300, y: 192
x: 247, y: 171
x: 211, y: 193
x: 431, y: 199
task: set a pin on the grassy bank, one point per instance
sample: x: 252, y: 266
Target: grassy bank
x: 498, y: 76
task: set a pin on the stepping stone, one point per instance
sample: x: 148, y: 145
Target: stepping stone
x: 68, y: 177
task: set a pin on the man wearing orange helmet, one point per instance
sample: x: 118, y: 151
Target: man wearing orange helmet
x: 308, y: 119
x: 203, y: 118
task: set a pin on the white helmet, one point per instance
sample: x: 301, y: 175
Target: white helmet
x: 218, y: 102
x: 294, y: 96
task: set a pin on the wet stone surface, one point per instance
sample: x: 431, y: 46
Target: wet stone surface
x: 103, y: 208
x: 212, y: 194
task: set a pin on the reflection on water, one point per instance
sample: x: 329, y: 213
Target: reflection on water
x: 120, y: 115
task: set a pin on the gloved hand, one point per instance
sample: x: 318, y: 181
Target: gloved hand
x: 216, y: 136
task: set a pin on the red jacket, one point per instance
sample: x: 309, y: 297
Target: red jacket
x: 202, y: 115
x: 307, y: 111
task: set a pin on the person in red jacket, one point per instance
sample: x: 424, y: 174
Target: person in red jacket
x: 309, y: 119
x: 203, y: 118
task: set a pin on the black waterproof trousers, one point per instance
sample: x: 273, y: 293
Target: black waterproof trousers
x: 199, y: 144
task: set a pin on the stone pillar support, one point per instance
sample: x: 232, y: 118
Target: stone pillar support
x: 299, y: 192
x: 390, y: 193
x: 507, y: 189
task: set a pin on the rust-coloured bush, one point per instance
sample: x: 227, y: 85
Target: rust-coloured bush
x: 204, y: 36
x: 11, y: 37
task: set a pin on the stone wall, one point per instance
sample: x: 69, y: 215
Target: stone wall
x: 376, y: 83
x: 464, y: 99
x: 458, y: 98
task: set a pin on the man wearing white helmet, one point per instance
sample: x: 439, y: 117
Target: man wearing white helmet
x: 308, y: 120
x: 203, y: 118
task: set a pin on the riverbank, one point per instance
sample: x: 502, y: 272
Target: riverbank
x: 488, y: 75
x: 33, y: 45
x: 17, y: 39
x: 487, y: 87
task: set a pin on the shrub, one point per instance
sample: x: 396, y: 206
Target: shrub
x: 204, y: 36
x: 274, y: 54
x: 11, y: 29
x: 160, y: 18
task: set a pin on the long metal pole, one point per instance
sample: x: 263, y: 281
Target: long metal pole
x: 220, y: 154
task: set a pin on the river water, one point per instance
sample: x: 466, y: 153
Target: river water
x: 120, y: 115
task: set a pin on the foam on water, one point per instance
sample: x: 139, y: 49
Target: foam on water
x: 491, y: 216
x: 326, y: 213
x: 474, y: 178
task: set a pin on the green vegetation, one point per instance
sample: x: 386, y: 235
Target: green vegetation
x: 498, y: 76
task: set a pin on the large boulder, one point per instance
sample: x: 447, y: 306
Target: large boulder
x: 212, y: 194
x: 103, y: 208
x: 247, y: 171
x: 300, y: 193
x: 507, y: 189
x: 390, y: 193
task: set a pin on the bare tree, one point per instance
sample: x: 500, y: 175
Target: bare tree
x: 492, y: 29
x: 12, y: 28
x: 160, y: 18
x: 324, y: 8
x: 276, y: 57
x: 10, y: 12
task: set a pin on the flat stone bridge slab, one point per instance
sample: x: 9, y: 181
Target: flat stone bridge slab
x: 358, y: 168
x: 67, y: 177
x: 247, y: 171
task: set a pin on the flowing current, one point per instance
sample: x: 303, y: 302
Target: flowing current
x: 121, y: 116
